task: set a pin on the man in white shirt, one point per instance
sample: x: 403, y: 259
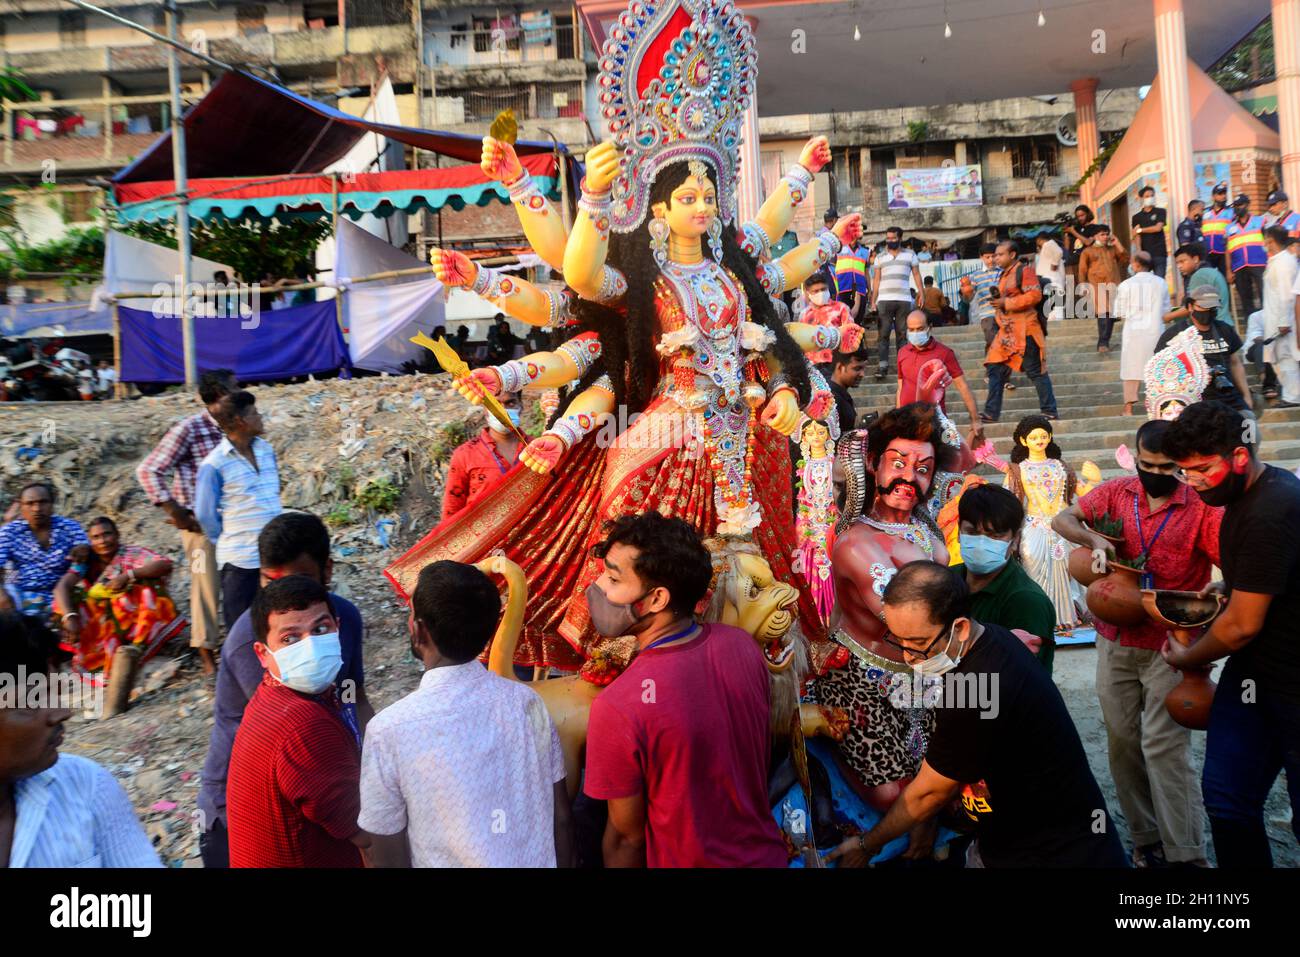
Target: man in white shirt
x: 894, y: 273
x: 55, y: 810
x: 1049, y: 265
x: 1142, y: 301
x: 1281, y: 276
x: 466, y: 771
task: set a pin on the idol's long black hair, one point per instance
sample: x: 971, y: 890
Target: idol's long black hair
x: 627, y: 339
x: 1026, y: 425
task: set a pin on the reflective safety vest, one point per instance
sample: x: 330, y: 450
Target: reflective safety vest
x: 1246, y: 244
x: 1214, y: 226
x: 851, y: 270
x: 1290, y: 222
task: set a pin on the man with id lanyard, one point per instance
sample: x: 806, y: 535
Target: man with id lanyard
x: 1150, y: 753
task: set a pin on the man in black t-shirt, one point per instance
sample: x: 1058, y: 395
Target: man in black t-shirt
x: 1003, y: 740
x: 1255, y: 720
x: 1149, y: 227
x: 1221, y: 346
x: 1080, y: 234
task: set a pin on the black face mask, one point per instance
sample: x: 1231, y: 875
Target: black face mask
x: 894, y: 244
x: 1226, y: 492
x: 1157, y: 484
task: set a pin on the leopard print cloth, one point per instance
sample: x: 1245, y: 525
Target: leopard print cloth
x: 887, y: 737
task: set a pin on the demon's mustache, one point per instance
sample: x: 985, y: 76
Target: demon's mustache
x: 916, y: 489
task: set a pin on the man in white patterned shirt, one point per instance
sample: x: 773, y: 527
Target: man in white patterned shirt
x: 55, y: 810
x: 237, y: 492
x: 466, y: 771
x: 178, y: 456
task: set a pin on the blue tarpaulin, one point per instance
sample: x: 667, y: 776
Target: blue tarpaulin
x: 53, y: 319
x: 276, y: 344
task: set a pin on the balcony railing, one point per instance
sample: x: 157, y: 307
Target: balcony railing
x: 529, y: 101
x: 82, y: 129
x: 502, y: 45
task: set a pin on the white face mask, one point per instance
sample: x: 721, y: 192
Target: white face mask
x: 496, y: 425
x: 1148, y: 201
x: 940, y: 664
x: 819, y: 298
x: 310, y: 664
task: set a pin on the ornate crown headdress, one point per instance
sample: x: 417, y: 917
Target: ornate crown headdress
x: 1177, y: 373
x: 676, y: 77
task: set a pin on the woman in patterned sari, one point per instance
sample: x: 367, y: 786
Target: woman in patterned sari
x: 118, y: 597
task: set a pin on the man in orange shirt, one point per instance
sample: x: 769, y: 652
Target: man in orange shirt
x: 477, y: 465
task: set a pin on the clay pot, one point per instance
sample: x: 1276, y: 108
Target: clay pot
x: 1185, y: 613
x: 1116, y: 598
x: 1189, y: 702
x: 1079, y: 562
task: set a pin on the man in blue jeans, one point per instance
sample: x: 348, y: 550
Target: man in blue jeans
x: 1255, y: 720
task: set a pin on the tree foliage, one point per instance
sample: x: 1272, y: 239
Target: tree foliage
x: 252, y: 248
x: 1249, y: 62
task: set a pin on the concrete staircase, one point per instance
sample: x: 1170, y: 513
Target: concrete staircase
x: 1089, y: 397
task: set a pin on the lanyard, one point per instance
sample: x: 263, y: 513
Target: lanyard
x: 667, y: 638
x: 1146, y: 549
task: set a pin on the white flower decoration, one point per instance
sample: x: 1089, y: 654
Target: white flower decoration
x: 684, y: 338
x: 738, y: 521
x: 756, y: 338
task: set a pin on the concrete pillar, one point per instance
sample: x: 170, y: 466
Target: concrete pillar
x: 1085, y: 118
x: 749, y: 190
x: 1175, y: 104
x: 959, y: 153
x: 1286, y: 57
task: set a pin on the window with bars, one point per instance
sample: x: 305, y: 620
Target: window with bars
x: 72, y: 28
x: 250, y: 18
x: 496, y: 33
x: 1028, y: 152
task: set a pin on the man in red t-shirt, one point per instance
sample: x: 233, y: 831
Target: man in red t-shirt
x: 479, y: 464
x: 1150, y: 753
x: 678, y: 743
x: 293, y: 794
x: 921, y: 357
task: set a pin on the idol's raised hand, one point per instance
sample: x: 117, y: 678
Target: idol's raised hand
x: 478, y: 383
x: 782, y: 412
x: 452, y: 268
x: 816, y: 154
x: 851, y: 337
x: 500, y: 162
x: 603, y: 163
x: 848, y: 229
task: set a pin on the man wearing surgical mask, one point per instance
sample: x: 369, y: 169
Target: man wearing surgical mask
x: 919, y: 360
x: 678, y: 744
x: 823, y: 310
x: 1003, y: 740
x: 1255, y: 718
x: 479, y: 464
x: 293, y: 794
x: 1002, y: 593
x: 1150, y: 753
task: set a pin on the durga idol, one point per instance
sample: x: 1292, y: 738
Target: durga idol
x: 679, y: 332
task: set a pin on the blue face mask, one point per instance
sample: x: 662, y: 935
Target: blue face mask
x: 981, y: 554
x: 918, y: 339
x: 311, y: 664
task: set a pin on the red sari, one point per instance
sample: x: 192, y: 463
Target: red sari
x: 547, y: 524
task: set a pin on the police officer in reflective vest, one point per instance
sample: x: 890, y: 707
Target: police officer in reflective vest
x: 1281, y: 214
x: 1247, y: 256
x: 1214, y: 225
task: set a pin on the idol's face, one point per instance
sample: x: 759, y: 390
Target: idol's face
x: 690, y: 209
x: 1037, y: 441
x: 905, y: 473
x: 817, y: 435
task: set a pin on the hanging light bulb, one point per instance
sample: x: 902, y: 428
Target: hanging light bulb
x: 947, y: 30
x: 1042, y: 20
x: 857, y: 34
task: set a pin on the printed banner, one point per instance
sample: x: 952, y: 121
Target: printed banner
x: 941, y: 186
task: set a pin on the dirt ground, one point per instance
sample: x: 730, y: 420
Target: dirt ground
x: 335, y: 440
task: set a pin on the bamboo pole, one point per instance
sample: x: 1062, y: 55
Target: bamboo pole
x: 118, y: 388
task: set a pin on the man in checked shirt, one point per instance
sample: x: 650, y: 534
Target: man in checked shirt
x: 178, y: 455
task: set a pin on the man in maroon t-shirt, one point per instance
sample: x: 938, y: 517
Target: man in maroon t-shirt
x: 919, y: 359
x: 293, y: 795
x: 677, y: 744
